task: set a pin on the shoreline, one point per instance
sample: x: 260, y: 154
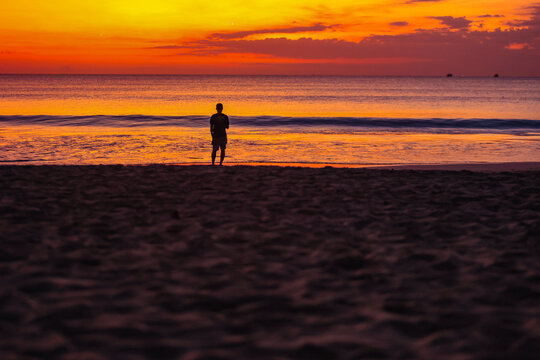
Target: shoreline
x: 482, y: 167
x: 476, y: 167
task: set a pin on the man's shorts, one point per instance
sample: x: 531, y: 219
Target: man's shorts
x: 220, y: 142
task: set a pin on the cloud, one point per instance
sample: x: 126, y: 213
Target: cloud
x: 441, y: 50
x: 490, y: 16
x: 532, y: 23
x: 517, y: 46
x: 428, y: 44
x: 399, y: 23
x: 166, y: 47
x: 287, y: 30
x: 303, y: 48
x: 453, y: 22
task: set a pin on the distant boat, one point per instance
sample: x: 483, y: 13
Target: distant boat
x: 496, y: 75
x: 449, y: 75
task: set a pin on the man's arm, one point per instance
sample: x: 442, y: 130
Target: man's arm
x: 212, y: 126
x: 227, y: 123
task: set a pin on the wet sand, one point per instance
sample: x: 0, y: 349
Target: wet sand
x: 240, y: 262
x: 487, y: 167
x: 484, y: 167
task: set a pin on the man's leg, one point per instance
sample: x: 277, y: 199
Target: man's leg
x: 214, y: 151
x: 222, y: 156
x: 222, y: 153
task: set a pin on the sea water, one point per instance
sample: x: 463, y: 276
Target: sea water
x: 141, y: 119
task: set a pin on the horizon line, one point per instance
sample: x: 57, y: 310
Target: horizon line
x: 298, y: 75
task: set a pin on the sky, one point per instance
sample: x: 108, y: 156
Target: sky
x: 304, y: 37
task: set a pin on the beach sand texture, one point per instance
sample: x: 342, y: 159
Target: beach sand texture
x: 200, y: 262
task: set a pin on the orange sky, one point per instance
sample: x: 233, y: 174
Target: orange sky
x: 394, y: 37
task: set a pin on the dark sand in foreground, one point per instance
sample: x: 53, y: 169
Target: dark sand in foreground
x: 195, y: 262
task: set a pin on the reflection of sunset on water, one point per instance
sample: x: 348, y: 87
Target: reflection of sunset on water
x: 384, y: 97
x: 349, y: 120
x: 105, y: 145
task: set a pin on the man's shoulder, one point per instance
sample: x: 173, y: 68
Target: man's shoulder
x: 218, y: 115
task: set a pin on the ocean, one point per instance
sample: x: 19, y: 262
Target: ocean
x: 141, y: 119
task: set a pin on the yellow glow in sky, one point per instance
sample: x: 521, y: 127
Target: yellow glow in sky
x: 145, y: 35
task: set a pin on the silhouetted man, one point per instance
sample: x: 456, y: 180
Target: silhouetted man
x: 218, y: 123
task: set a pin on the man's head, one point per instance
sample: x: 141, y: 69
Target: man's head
x: 219, y: 107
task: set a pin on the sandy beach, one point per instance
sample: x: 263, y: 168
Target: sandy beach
x: 264, y: 262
